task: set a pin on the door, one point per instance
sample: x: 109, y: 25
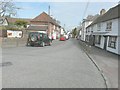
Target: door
x: 92, y: 40
x: 105, y: 42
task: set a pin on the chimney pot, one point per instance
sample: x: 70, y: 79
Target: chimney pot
x: 103, y: 11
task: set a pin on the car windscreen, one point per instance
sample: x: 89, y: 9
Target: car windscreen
x: 35, y: 34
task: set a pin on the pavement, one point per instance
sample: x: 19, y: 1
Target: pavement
x: 62, y: 65
x: 106, y: 61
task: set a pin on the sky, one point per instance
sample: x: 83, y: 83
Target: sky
x: 70, y: 14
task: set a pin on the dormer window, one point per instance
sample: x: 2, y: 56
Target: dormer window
x: 109, y: 26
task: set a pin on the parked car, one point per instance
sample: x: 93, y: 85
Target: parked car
x: 62, y: 38
x: 39, y: 39
x: 66, y: 36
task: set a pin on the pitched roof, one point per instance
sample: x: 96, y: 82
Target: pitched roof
x: 46, y: 18
x: 38, y: 28
x: 112, y: 13
x: 13, y: 20
x: 90, y: 18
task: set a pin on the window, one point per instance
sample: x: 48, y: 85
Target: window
x: 99, y: 27
x: 109, y: 26
x: 112, y: 41
x: 40, y: 35
x: 97, y: 39
x: 45, y: 36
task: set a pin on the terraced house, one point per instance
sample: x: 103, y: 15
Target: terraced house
x: 46, y: 24
x: 104, y: 32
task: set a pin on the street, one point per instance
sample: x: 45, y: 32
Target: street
x: 62, y: 65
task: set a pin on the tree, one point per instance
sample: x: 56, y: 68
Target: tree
x: 74, y: 32
x: 21, y: 23
x: 8, y: 8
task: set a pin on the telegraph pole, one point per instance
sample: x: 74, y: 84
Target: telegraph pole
x: 49, y: 29
x: 49, y: 10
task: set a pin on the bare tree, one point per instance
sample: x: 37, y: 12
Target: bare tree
x: 7, y: 7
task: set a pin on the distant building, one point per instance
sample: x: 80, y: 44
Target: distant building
x: 8, y: 21
x: 86, y: 22
x: 13, y: 20
x: 45, y: 23
x: 104, y: 31
x: 79, y: 29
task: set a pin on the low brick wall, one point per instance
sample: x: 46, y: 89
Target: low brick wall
x: 13, y: 42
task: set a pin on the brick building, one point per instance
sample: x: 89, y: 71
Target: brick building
x: 45, y: 23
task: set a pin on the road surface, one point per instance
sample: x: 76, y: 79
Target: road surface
x: 62, y: 65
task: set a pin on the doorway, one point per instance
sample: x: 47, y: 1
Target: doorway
x: 105, y: 42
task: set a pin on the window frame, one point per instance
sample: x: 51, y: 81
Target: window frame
x: 112, y: 42
x: 109, y: 26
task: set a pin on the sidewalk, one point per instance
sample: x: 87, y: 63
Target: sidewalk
x: 108, y: 63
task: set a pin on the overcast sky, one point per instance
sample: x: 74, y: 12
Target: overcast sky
x: 68, y: 13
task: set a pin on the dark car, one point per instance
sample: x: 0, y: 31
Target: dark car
x: 39, y: 39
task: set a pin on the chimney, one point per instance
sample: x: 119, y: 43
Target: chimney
x: 103, y: 11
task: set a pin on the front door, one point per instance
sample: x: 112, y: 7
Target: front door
x: 105, y: 42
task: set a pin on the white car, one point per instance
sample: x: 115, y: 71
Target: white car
x: 66, y: 36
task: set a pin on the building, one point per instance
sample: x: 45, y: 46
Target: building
x: 45, y: 23
x: 62, y: 31
x: 103, y: 32
x: 11, y: 33
x: 79, y: 29
x: 86, y: 22
x: 13, y: 20
x: 10, y: 24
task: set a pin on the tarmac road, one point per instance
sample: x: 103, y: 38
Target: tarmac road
x: 62, y: 65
